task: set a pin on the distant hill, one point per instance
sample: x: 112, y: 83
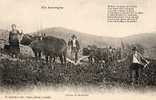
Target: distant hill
x: 147, y: 40
x: 84, y: 38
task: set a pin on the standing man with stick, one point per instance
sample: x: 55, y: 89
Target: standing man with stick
x: 75, y: 47
x: 138, y: 62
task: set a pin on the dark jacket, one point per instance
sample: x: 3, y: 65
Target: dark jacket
x: 77, y: 45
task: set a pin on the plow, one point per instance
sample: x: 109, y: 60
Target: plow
x: 78, y: 61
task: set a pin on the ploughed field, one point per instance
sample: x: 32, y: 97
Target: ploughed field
x: 27, y: 72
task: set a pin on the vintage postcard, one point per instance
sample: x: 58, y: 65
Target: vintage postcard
x: 77, y: 49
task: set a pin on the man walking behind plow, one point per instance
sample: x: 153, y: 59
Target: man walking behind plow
x: 138, y: 63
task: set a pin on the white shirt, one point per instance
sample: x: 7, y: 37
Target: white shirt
x: 74, y: 43
x: 135, y: 58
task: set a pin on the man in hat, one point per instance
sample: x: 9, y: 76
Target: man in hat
x: 75, y: 47
x: 138, y: 62
x: 14, y: 40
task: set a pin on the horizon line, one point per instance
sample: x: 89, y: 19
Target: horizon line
x: 84, y: 32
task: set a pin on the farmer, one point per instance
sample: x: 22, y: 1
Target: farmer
x: 75, y: 47
x: 138, y: 62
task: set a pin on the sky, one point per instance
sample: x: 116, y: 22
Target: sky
x: 88, y: 16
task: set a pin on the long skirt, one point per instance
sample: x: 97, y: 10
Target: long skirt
x: 14, y: 47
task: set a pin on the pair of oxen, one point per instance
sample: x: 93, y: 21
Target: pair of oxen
x: 98, y: 55
x: 49, y: 46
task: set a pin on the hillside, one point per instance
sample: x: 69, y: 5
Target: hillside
x: 147, y: 40
x: 84, y: 38
x: 25, y: 73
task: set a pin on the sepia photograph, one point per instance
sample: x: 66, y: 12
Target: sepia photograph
x: 77, y: 49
